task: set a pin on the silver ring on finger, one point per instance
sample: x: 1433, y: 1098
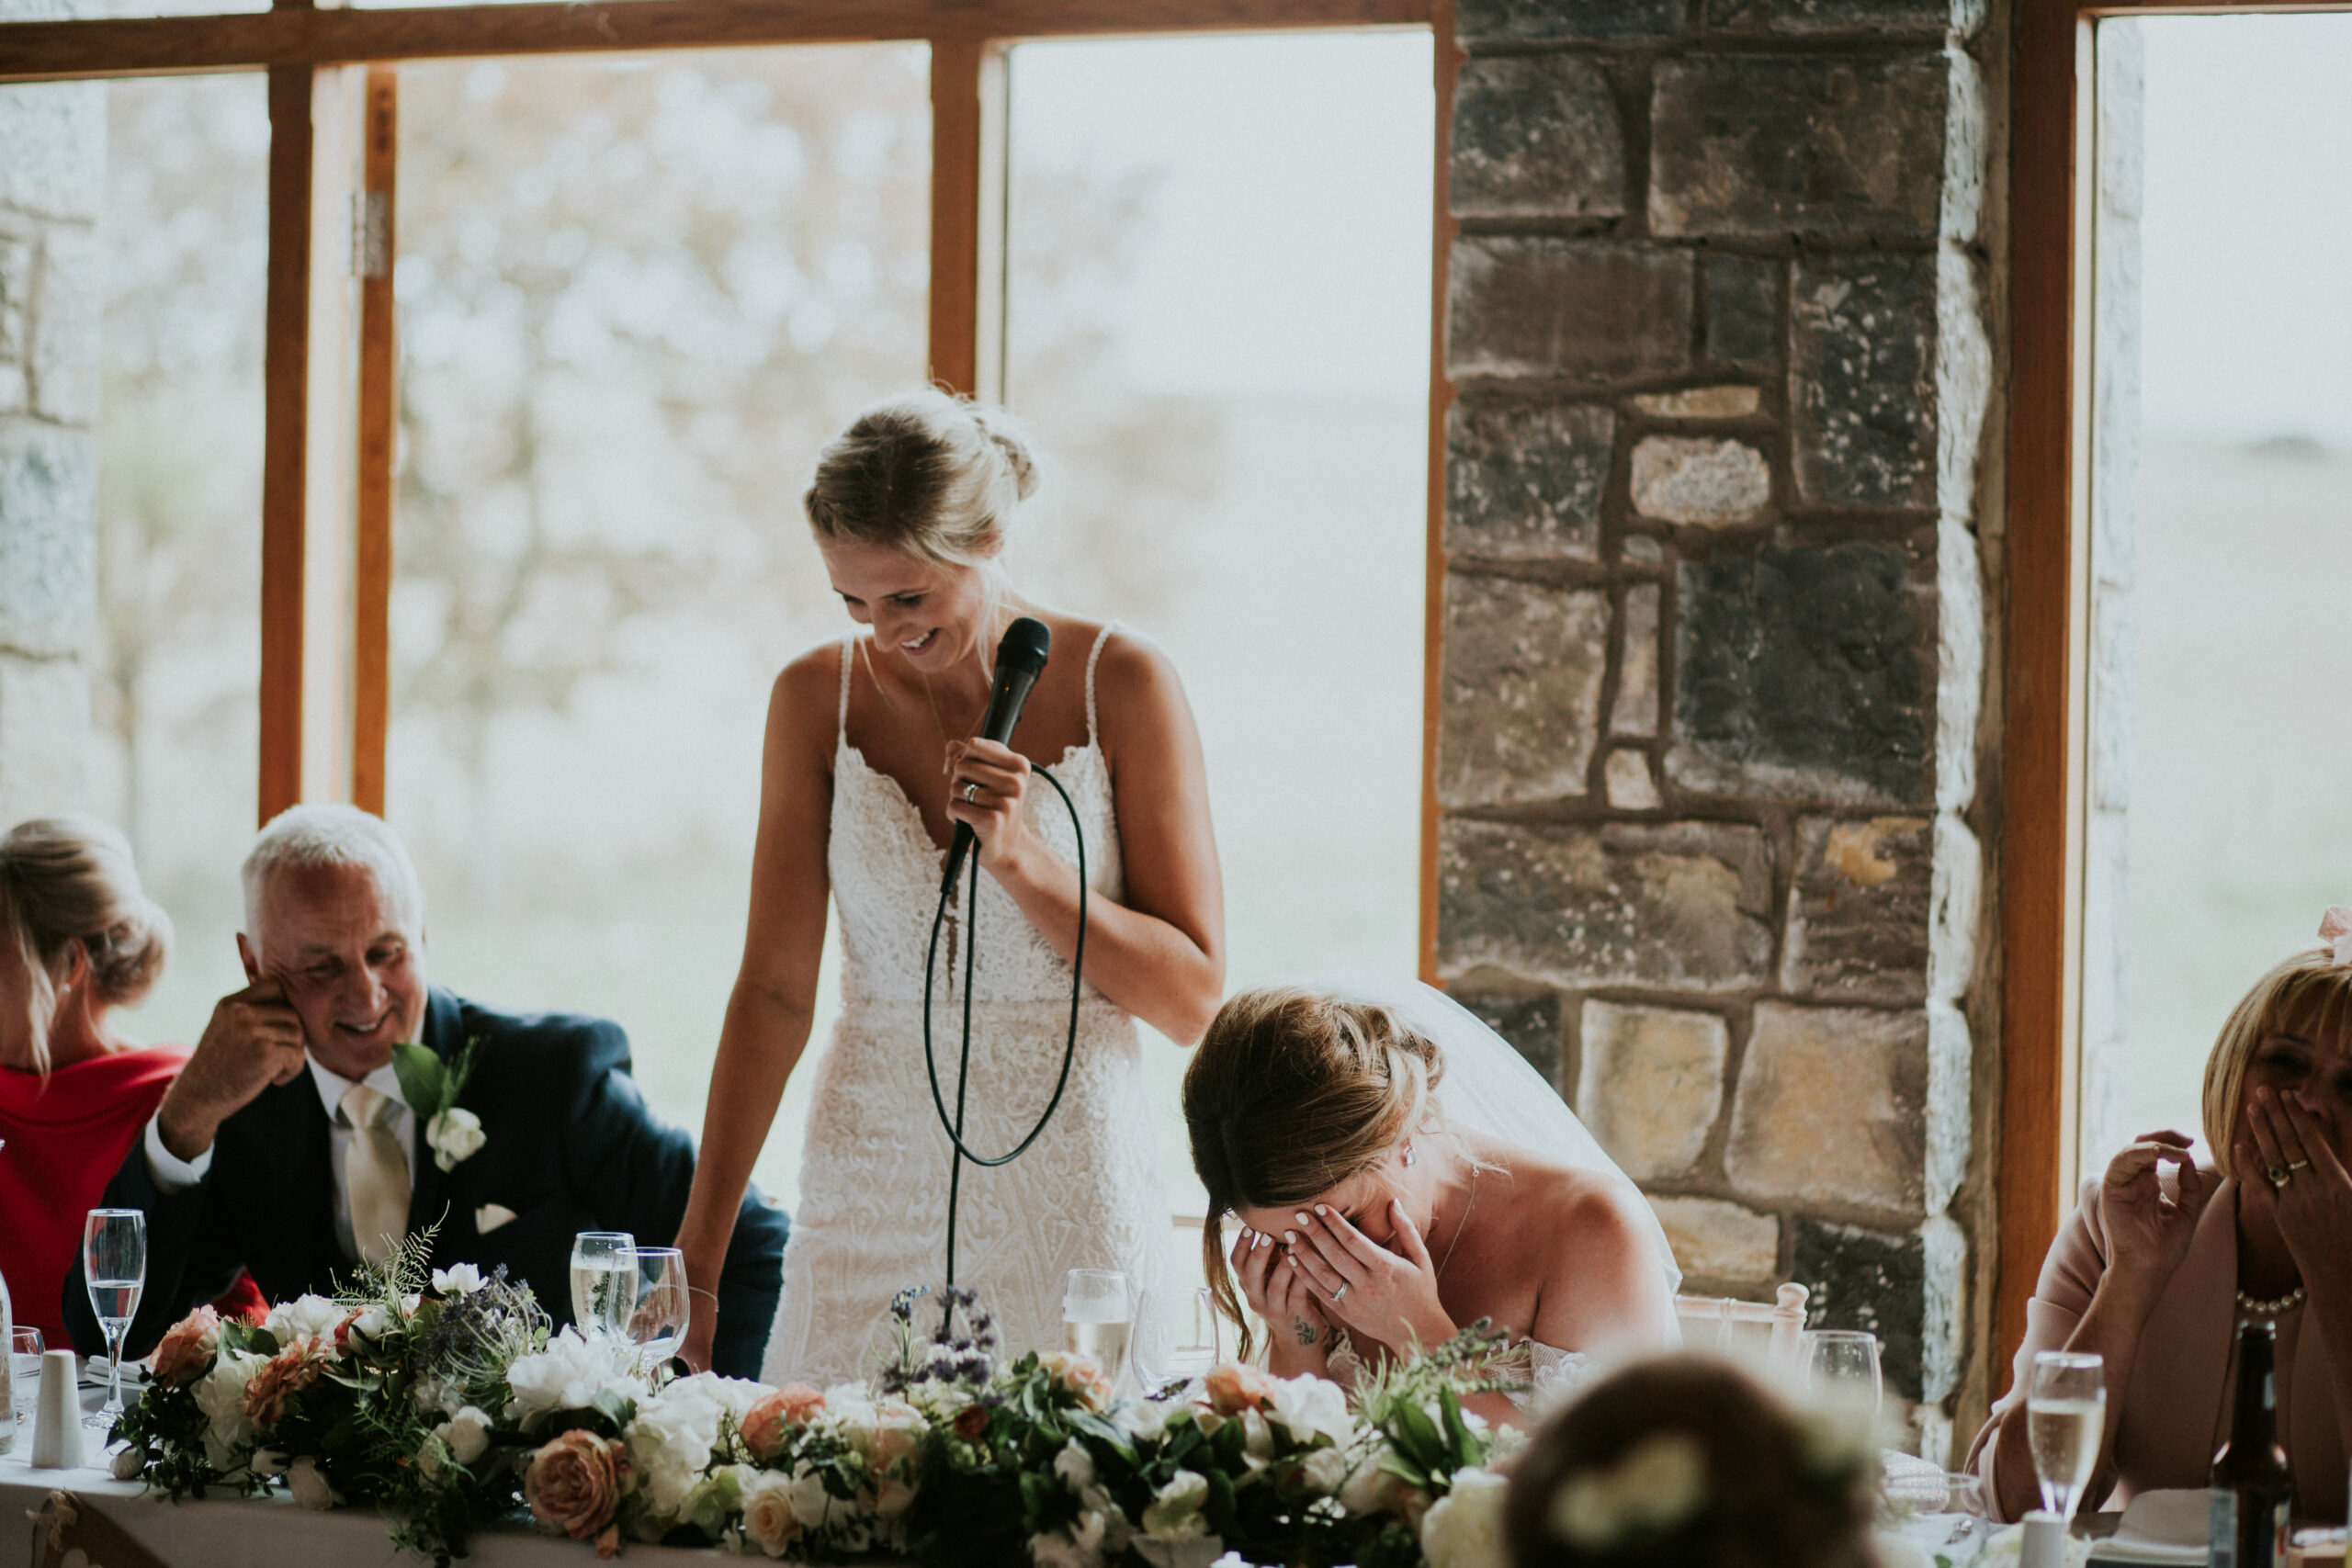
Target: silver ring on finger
x: 1337, y: 1294
x: 971, y: 793
x: 2280, y: 1176
x: 2295, y: 1165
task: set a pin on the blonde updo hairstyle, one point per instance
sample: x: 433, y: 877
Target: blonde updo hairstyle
x: 2309, y: 994
x: 1289, y: 1094
x: 68, y: 882
x: 936, y: 477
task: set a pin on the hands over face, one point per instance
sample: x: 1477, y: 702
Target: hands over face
x: 1276, y: 1292
x: 1390, y: 1295
x: 2314, y: 1201
x: 2146, y: 1231
x: 254, y: 1039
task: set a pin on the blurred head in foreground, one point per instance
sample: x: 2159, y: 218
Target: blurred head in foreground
x: 81, y: 937
x: 1689, y: 1463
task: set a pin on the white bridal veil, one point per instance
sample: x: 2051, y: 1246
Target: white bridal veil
x: 1488, y: 1088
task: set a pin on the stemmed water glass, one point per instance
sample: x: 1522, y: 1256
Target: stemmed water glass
x: 1843, y: 1363
x: 114, y: 1264
x: 1176, y: 1339
x: 604, y: 1281
x: 1098, y: 1310
x: 658, y: 1320
x: 2065, y: 1417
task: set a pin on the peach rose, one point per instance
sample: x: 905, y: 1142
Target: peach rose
x: 575, y: 1482
x: 282, y: 1377
x: 768, y: 1518
x: 768, y: 1424
x: 1237, y: 1387
x: 1082, y: 1376
x: 186, y: 1351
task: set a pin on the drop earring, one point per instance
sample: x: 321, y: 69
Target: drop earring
x: 1410, y: 1158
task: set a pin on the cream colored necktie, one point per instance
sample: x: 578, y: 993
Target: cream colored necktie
x: 375, y: 1174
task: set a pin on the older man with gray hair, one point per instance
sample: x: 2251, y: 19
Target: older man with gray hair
x: 292, y: 1146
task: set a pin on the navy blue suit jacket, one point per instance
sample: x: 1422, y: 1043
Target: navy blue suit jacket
x: 572, y: 1147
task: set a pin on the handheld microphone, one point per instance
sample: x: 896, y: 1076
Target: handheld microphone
x: 1020, y: 660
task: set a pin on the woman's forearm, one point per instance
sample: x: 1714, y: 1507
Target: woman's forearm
x: 1142, y: 963
x: 760, y: 1043
x: 2110, y: 1329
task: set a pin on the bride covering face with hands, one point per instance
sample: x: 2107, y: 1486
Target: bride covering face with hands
x: 1398, y: 1173
x: 871, y: 763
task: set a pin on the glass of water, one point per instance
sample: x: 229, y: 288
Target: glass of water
x: 1176, y: 1339
x: 604, y: 1281
x: 24, y: 1352
x: 1842, y: 1364
x: 658, y: 1320
x: 2065, y: 1417
x: 114, y: 1263
x: 1098, y: 1310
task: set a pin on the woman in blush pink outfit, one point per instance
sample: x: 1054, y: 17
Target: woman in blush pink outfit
x: 2157, y: 1283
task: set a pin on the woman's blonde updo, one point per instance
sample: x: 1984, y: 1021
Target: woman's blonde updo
x: 1290, y: 1093
x: 933, y: 476
x: 66, y: 881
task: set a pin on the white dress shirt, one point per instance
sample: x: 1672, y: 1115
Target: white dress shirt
x: 174, y: 1175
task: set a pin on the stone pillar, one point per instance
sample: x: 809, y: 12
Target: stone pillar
x: 52, y: 182
x: 1716, y: 624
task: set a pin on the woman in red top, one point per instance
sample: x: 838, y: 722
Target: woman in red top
x: 78, y: 937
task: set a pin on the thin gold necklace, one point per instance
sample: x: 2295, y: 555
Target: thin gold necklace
x: 1461, y: 1225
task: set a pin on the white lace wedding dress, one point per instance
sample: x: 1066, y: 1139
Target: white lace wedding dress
x: 874, y: 1168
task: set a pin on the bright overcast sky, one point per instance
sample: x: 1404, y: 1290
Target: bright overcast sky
x: 2248, y: 237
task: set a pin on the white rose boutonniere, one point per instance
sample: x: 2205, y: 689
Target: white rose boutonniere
x: 431, y: 1087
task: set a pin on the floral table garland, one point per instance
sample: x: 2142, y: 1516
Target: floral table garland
x: 448, y: 1404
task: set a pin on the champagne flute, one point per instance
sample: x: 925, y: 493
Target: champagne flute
x: 2065, y: 1417
x: 658, y: 1321
x: 1843, y: 1363
x: 1176, y: 1339
x: 601, y: 1276
x: 1098, y: 1310
x: 114, y: 1265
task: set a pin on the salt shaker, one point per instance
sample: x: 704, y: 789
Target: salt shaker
x: 57, y: 1418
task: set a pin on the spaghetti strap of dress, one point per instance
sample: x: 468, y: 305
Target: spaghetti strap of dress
x: 1093, y: 657
x: 841, y: 720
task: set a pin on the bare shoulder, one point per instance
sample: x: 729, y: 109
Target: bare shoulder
x: 1134, y: 678
x: 1589, y: 1207
x: 804, y: 701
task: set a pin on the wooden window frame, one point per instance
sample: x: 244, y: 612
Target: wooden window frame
x: 329, y: 360
x: 2045, y: 682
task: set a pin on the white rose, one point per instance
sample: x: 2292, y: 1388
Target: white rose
x: 128, y: 1463
x: 1464, y: 1529
x: 769, y: 1517
x: 220, y: 1394
x: 467, y: 1433
x: 1326, y: 1469
x: 289, y: 1321
x: 267, y: 1463
x: 309, y: 1485
x: 1190, y: 1551
x: 1146, y: 1420
x: 457, y: 1279
x: 1371, y: 1489
x: 455, y: 1135
x: 568, y: 1374
x: 1079, y: 1546
x: 670, y: 1442
x: 812, y: 1504
x: 1310, y: 1408
x: 1174, y: 1513
x: 1257, y: 1438
x: 371, y: 1322
x: 1075, y: 1466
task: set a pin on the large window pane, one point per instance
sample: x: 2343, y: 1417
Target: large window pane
x: 183, y: 248
x: 1218, y: 331
x: 635, y: 299
x: 2241, y: 736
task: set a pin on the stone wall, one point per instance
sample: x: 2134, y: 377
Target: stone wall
x: 1716, y: 623
x: 52, y: 183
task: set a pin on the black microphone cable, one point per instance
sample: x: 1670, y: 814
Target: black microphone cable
x: 954, y: 1126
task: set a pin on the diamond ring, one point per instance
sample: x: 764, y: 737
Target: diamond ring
x: 971, y: 792
x: 1338, y: 1293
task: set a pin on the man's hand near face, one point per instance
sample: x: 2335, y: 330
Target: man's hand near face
x: 253, y: 1041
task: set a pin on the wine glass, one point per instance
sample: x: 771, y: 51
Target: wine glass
x: 604, y: 1281
x: 1098, y: 1310
x: 114, y: 1264
x: 2065, y: 1417
x: 1176, y: 1338
x: 1843, y: 1364
x: 663, y: 1306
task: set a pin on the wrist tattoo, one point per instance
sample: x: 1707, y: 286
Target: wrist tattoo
x: 1307, y: 1332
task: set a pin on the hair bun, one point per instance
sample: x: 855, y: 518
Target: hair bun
x: 1005, y: 436
x: 127, y: 957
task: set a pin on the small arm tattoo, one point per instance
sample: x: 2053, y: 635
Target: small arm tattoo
x: 1308, y: 1332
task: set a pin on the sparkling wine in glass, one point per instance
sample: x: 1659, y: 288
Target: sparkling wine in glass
x: 658, y: 1321
x: 604, y: 1281
x: 1842, y: 1364
x: 1098, y: 1310
x: 1176, y: 1339
x: 114, y: 1262
x: 2065, y: 1416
